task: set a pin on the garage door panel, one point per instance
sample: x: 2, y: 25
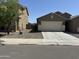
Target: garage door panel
x: 51, y: 26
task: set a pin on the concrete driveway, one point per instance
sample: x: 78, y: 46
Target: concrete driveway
x: 59, y: 38
x: 49, y: 38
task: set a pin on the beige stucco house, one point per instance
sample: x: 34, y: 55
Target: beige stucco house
x: 23, y: 19
x: 51, y: 22
x: 58, y: 22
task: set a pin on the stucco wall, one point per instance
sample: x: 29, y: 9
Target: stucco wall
x: 23, y: 19
x: 74, y: 25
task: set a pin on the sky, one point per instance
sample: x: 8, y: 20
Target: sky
x: 38, y: 8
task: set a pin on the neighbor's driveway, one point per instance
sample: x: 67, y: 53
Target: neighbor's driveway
x: 59, y: 38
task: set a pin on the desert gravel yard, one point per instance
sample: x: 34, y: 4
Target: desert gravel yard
x: 26, y: 35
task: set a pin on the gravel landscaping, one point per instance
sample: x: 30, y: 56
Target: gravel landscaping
x: 26, y: 35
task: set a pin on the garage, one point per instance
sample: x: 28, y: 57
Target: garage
x: 51, y: 22
x: 51, y: 26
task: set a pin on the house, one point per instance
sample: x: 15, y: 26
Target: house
x: 73, y: 24
x: 20, y: 22
x: 23, y: 19
x: 58, y: 22
x: 52, y: 22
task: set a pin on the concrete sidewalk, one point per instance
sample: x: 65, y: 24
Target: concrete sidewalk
x: 21, y: 41
x: 50, y: 38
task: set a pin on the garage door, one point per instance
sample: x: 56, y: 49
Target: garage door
x: 51, y: 26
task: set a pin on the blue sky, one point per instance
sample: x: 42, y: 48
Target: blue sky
x: 39, y: 8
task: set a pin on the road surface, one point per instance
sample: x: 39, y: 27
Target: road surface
x: 39, y: 52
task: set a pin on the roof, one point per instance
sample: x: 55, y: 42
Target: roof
x: 58, y: 12
x: 27, y: 11
x: 66, y: 15
x: 57, y: 16
x: 23, y: 8
x: 73, y: 17
x: 51, y: 15
x: 45, y: 15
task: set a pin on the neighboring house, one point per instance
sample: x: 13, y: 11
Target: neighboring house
x: 23, y: 19
x: 51, y: 22
x: 20, y: 22
x: 73, y: 24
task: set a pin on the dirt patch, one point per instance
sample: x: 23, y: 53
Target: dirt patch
x: 25, y: 34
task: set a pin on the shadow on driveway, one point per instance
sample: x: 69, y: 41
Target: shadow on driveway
x: 1, y: 35
x: 73, y: 34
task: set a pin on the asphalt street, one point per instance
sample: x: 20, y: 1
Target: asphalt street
x: 38, y: 52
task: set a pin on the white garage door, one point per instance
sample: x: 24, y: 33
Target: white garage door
x: 51, y: 26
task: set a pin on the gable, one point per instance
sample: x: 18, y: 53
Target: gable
x: 52, y: 17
